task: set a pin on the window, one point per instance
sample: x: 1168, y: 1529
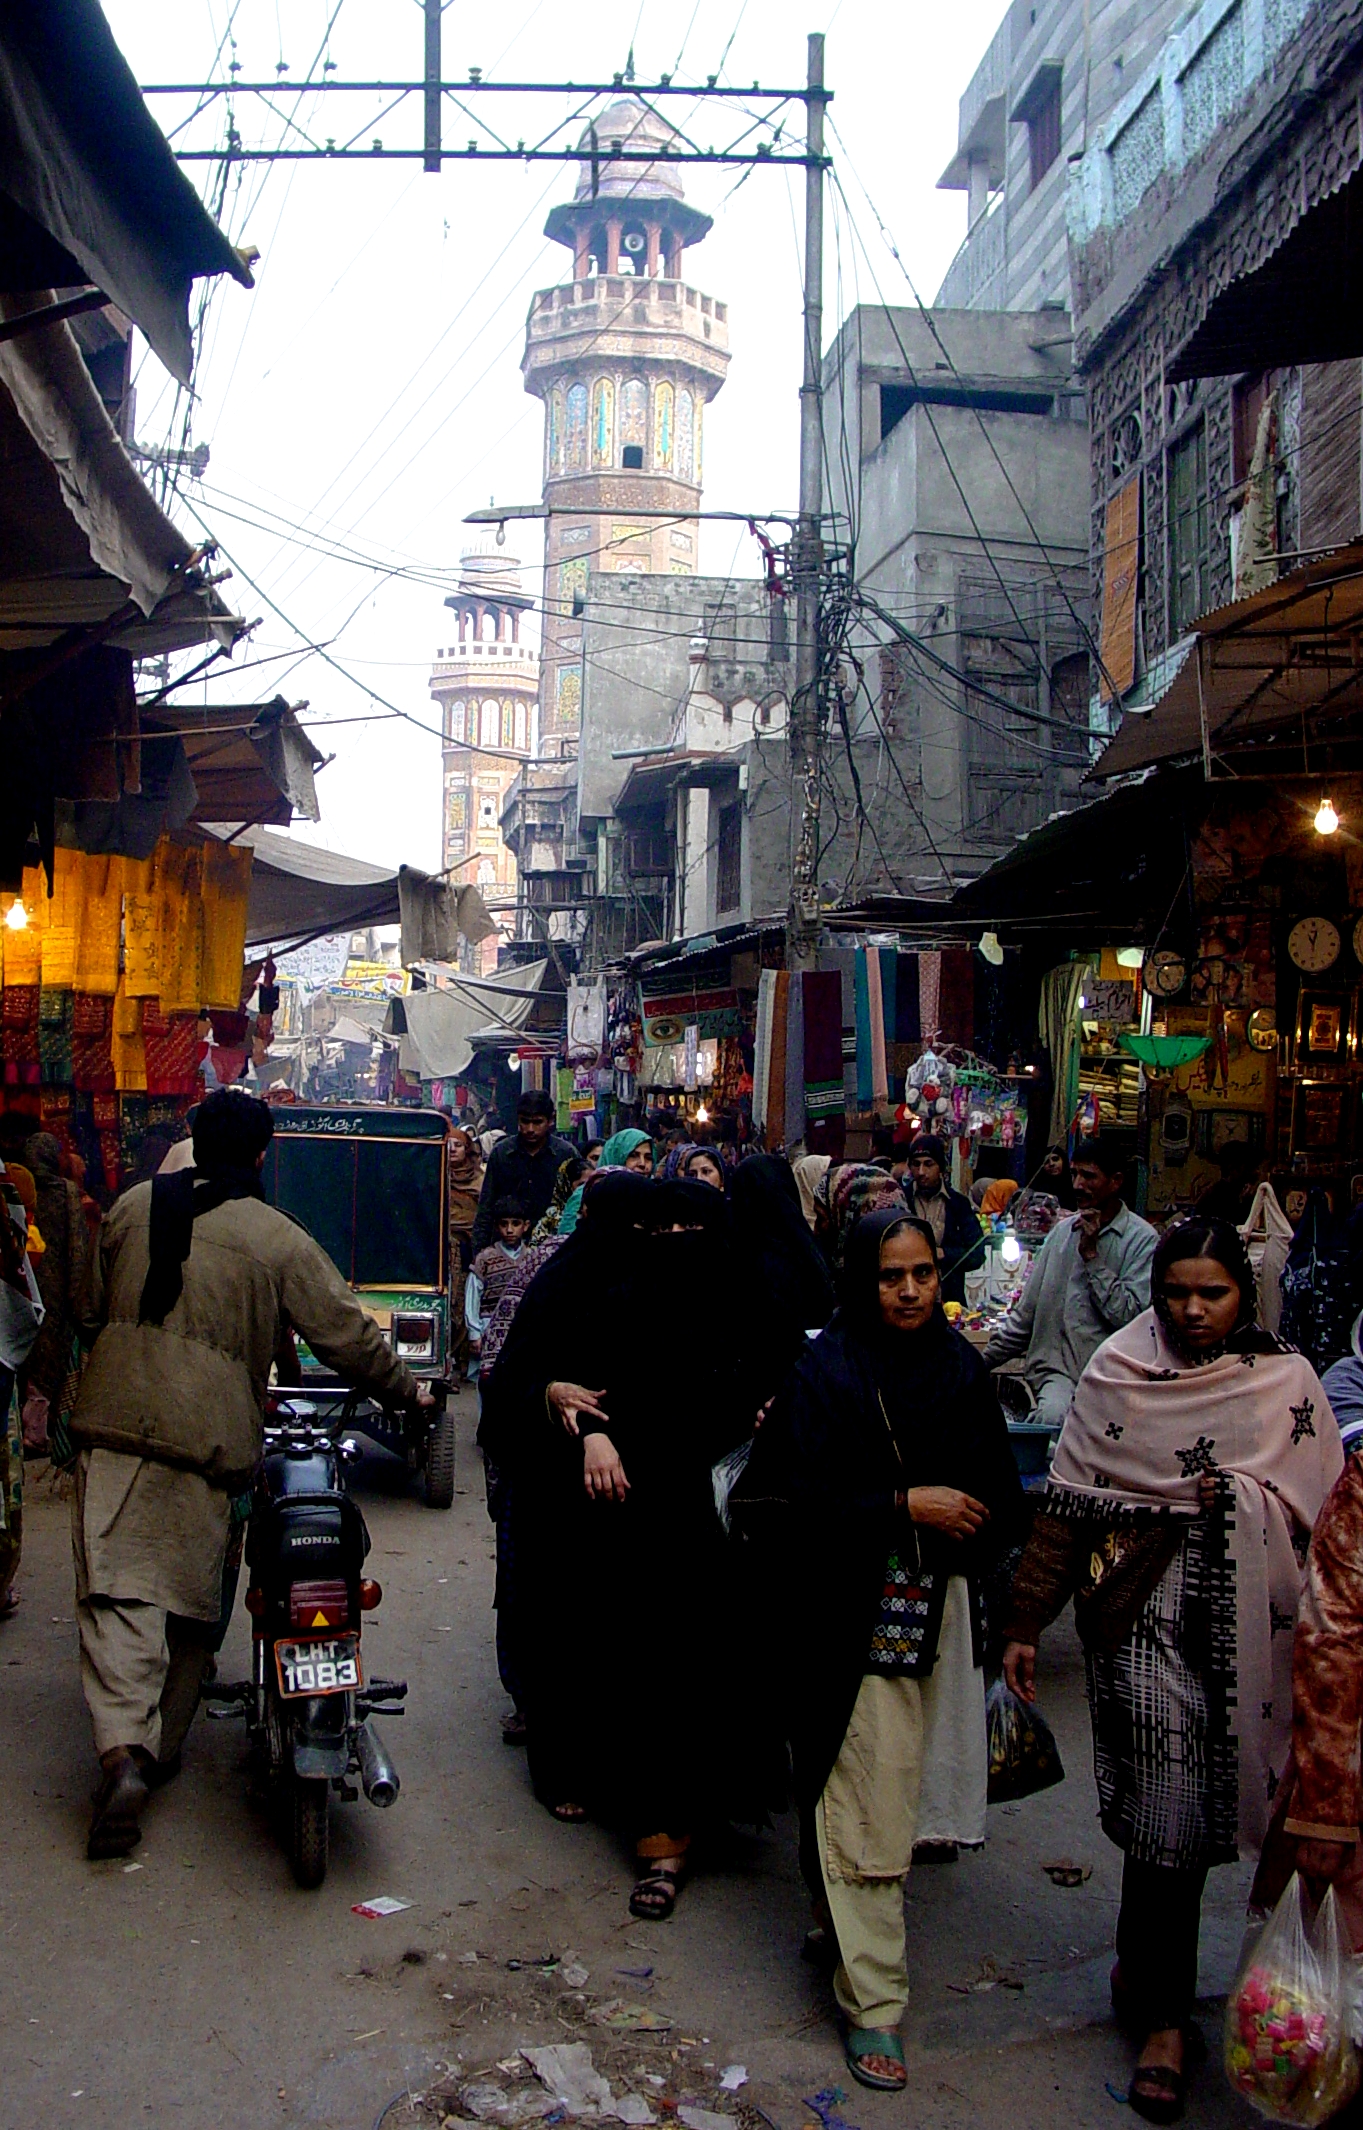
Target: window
x: 729, y: 859
x: 491, y: 721
x: 457, y: 718
x: 1188, y: 556
x: 632, y: 458
x: 1038, y: 108
x: 896, y: 400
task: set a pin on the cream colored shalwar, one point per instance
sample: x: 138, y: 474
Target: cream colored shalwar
x: 148, y: 1541
x: 867, y: 1819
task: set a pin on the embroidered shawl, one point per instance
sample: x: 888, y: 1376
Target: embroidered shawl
x: 1144, y: 1426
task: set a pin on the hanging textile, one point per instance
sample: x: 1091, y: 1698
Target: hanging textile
x: 761, y: 1063
x: 795, y: 1061
x: 1058, y: 1026
x: 226, y: 889
x: 776, y: 1076
x: 880, y: 1084
x: 863, y: 1013
x: 908, y: 1026
x: 825, y: 1119
x: 929, y: 995
x: 956, y: 1001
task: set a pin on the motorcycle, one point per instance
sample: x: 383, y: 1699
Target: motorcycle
x: 308, y: 1707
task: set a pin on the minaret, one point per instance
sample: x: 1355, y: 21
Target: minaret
x: 486, y: 684
x: 624, y: 356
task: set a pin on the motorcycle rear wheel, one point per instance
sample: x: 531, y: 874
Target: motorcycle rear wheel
x: 308, y: 1834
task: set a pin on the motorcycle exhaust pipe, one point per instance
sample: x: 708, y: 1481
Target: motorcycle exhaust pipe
x: 377, y: 1773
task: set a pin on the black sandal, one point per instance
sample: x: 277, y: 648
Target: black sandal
x: 655, y: 1894
x: 1163, y: 2093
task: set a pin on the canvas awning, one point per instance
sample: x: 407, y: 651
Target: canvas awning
x: 1281, y: 666
x: 299, y: 892
x: 436, y: 1029
x: 249, y: 763
x: 90, y: 191
x: 86, y: 553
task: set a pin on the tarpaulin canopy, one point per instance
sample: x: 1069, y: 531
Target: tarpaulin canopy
x: 437, y: 1028
x: 299, y: 892
x: 89, y: 188
x: 1285, y: 660
x: 83, y: 542
x: 249, y: 763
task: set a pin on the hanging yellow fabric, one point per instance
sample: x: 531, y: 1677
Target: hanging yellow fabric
x: 129, y: 1050
x: 96, y: 887
x: 227, y: 886
x: 140, y: 929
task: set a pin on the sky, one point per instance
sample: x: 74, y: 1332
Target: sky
x: 367, y: 393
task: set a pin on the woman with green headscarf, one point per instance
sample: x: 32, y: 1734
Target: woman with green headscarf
x: 629, y: 1149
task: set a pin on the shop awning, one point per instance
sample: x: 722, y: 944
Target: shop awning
x: 299, y: 892
x: 86, y: 553
x: 89, y: 189
x: 1285, y: 664
x: 437, y: 1029
x: 252, y: 764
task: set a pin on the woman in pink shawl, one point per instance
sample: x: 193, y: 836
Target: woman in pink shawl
x: 1192, y: 1466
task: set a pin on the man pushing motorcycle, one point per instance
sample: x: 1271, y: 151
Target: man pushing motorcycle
x: 197, y: 1285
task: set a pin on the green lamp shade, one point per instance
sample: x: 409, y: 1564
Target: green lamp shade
x: 1165, y: 1053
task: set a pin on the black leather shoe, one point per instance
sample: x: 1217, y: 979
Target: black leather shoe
x: 118, y: 1806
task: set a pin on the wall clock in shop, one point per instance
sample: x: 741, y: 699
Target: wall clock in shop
x: 1314, y: 944
x: 1165, y: 972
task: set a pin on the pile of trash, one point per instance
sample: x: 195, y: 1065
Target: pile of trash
x: 560, y: 2083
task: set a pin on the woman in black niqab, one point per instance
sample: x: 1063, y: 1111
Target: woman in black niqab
x: 879, y: 1492
x: 786, y: 1286
x: 622, y: 1587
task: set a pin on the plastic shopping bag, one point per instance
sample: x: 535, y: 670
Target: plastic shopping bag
x: 1288, y: 2047
x: 1023, y: 1754
x: 726, y: 1474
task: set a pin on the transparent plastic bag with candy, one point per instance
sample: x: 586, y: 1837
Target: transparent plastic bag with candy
x: 1288, y: 2046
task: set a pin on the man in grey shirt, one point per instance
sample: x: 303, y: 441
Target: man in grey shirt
x: 1091, y: 1276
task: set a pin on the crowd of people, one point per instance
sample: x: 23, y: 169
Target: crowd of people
x: 818, y: 1446
x: 761, y: 1536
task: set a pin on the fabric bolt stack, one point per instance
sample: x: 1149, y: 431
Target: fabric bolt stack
x: 104, y: 985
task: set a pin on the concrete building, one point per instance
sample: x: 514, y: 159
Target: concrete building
x: 1217, y: 327
x: 967, y: 723
x: 1051, y: 77
x: 683, y: 722
x: 487, y: 685
x: 624, y: 355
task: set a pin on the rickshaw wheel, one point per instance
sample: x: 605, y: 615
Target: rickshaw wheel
x: 440, y: 1462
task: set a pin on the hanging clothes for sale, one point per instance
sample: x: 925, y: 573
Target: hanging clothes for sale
x: 825, y: 1118
x: 1318, y: 1285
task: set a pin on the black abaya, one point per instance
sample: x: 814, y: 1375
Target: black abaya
x: 623, y: 1619
x: 869, y: 1412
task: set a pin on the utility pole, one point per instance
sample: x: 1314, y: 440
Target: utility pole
x: 802, y: 917
x: 431, y: 100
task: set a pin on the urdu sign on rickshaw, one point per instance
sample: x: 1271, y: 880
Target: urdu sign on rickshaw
x: 369, y: 1184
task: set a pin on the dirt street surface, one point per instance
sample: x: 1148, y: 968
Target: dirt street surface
x: 197, y: 1987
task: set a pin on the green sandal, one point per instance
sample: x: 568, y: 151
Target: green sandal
x: 867, y: 2041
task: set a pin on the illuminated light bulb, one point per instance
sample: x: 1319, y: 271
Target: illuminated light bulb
x: 16, y: 917
x: 1082, y: 1002
x: 1327, y: 820
x: 1130, y: 957
x: 702, y: 1115
x: 1010, y: 1249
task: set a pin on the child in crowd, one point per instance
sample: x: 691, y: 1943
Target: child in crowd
x: 490, y: 1272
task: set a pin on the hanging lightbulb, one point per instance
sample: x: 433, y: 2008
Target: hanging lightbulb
x: 16, y: 916
x: 1327, y: 820
x: 702, y: 1115
x: 1010, y: 1249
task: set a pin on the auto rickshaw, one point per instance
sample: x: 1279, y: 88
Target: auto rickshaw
x: 369, y: 1184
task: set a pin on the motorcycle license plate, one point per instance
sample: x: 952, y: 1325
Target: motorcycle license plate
x: 310, y: 1668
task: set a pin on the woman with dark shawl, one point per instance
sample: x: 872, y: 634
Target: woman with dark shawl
x: 786, y: 1280
x: 880, y: 1491
x: 622, y: 1568
x: 1190, y: 1470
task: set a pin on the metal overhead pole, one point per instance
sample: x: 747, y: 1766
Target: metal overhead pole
x: 802, y: 917
x: 431, y: 145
